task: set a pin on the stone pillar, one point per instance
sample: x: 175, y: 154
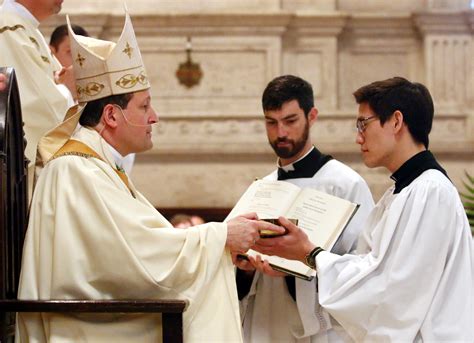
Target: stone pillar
x: 448, y: 47
x: 448, y: 56
x: 376, y: 46
x: 310, y: 50
x: 449, y: 4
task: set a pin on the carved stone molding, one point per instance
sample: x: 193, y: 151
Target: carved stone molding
x: 470, y: 18
x: 211, y: 143
x: 444, y: 22
x: 311, y: 51
x: 220, y: 24
x: 448, y: 50
x: 449, y: 69
x: 334, y: 133
x: 317, y: 24
x: 369, y: 33
x: 448, y: 4
x: 93, y: 23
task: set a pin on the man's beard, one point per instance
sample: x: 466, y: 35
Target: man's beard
x: 295, y: 146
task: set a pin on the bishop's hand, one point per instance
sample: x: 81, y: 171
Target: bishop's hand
x: 243, y: 232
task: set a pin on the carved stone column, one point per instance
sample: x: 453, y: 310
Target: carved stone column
x: 448, y: 55
x: 211, y: 142
x: 448, y: 48
x: 311, y: 51
x: 376, y: 46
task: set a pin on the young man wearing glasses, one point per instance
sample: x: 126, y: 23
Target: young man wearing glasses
x: 412, y: 278
x: 278, y: 307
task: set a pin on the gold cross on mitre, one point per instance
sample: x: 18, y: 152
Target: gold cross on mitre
x: 80, y: 59
x: 103, y: 68
x: 128, y: 50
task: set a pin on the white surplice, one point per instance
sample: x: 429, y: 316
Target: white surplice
x: 414, y: 277
x: 269, y: 314
x: 43, y: 102
x: 88, y: 238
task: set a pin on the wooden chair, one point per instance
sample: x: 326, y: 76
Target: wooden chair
x: 13, y: 222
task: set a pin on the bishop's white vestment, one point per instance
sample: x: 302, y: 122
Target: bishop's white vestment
x: 89, y: 238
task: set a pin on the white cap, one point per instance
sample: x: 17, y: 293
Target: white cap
x: 104, y: 68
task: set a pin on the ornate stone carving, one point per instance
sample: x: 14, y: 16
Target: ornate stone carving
x: 212, y: 137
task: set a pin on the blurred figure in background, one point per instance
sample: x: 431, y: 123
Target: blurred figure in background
x: 197, y: 220
x: 181, y: 221
x: 3, y: 82
x: 47, y: 91
x: 60, y: 45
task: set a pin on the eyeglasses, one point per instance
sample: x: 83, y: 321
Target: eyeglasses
x: 362, y: 122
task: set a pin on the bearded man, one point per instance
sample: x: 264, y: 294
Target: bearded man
x: 275, y: 307
x: 411, y: 277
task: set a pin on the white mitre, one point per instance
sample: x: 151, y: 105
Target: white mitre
x: 104, y: 68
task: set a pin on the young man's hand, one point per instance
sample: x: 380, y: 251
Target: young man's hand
x: 294, y: 245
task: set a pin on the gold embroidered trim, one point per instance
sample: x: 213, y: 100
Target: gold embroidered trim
x: 109, y: 72
x: 76, y: 148
x: 11, y: 28
x: 72, y: 153
x: 130, y: 80
x: 91, y: 89
x: 34, y: 41
x: 80, y: 59
x: 128, y: 50
x: 45, y: 59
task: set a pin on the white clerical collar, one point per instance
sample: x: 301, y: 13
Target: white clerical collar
x: 22, y: 11
x: 118, y: 158
x: 290, y: 166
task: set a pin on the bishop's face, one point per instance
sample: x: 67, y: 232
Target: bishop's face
x: 134, y: 131
x: 288, y: 131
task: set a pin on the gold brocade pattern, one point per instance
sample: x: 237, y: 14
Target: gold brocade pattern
x: 128, y: 50
x: 91, y: 89
x: 45, y: 59
x: 129, y: 80
x: 77, y: 148
x: 80, y: 59
x: 35, y: 42
x: 11, y: 28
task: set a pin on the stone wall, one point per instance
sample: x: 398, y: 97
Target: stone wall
x: 210, y: 143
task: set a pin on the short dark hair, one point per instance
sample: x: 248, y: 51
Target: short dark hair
x: 93, y: 111
x: 286, y: 88
x: 412, y: 99
x: 61, y: 31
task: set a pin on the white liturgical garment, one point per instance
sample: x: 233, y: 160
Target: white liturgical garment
x: 413, y: 279
x: 43, y: 103
x: 88, y: 238
x: 269, y: 313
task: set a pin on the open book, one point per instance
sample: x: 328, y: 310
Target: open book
x: 322, y: 216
